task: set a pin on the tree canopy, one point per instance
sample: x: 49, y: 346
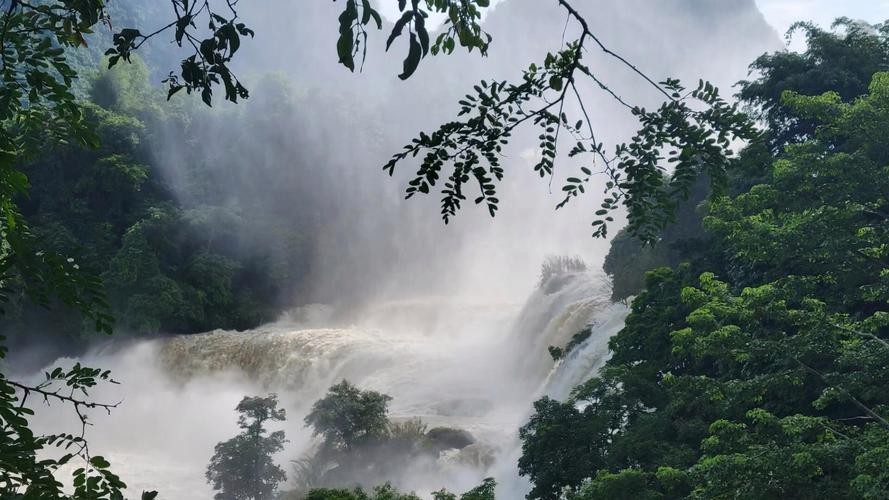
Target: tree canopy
x: 759, y: 377
x: 347, y: 416
x: 842, y: 60
x: 242, y: 468
x: 832, y: 62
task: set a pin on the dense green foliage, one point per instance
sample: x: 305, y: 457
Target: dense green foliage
x: 761, y: 377
x: 348, y: 417
x: 242, y: 467
x: 37, y: 108
x: 168, y: 265
x: 841, y: 62
x: 360, y: 444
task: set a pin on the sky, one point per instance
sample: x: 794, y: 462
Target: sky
x: 782, y: 13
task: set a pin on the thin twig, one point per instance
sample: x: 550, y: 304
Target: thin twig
x: 586, y: 30
x: 854, y: 400
x: 47, y: 395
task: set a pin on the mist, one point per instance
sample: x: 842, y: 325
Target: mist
x: 319, y: 135
x: 452, y: 321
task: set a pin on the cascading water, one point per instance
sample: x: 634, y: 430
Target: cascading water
x: 450, y: 360
x: 585, y: 360
x: 475, y: 367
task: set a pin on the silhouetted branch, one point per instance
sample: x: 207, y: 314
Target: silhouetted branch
x: 586, y: 31
x: 47, y: 395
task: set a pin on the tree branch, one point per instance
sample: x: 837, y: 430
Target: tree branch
x: 866, y: 409
x: 586, y: 31
x: 47, y: 395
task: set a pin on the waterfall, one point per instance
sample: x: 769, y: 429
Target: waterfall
x: 462, y: 364
x: 585, y: 360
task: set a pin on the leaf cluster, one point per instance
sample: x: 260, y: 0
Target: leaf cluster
x: 462, y: 26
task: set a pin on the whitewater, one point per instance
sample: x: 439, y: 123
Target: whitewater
x: 453, y: 363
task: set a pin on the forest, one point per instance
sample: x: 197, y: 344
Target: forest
x: 277, y: 296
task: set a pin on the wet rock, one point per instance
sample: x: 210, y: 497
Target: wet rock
x: 448, y: 438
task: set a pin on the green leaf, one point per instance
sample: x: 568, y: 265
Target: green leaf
x: 398, y: 28
x: 413, y: 58
x: 344, y: 47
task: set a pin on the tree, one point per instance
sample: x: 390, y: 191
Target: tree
x: 758, y: 378
x: 38, y: 107
x: 361, y: 445
x: 348, y: 417
x: 841, y: 62
x: 484, y: 491
x: 554, y: 455
x: 242, y: 467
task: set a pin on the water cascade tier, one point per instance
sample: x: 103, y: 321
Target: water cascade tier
x: 464, y: 365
